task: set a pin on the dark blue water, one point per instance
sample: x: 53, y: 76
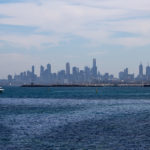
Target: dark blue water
x: 78, y: 92
x: 75, y: 118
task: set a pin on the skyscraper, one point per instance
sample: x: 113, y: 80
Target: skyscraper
x: 124, y: 75
x: 87, y: 73
x: 148, y: 72
x: 32, y: 74
x: 141, y: 70
x: 41, y: 71
x: 33, y: 70
x: 94, y: 62
x: 94, y: 69
x: 67, y: 69
x: 126, y: 71
x: 75, y: 74
x: 48, y: 69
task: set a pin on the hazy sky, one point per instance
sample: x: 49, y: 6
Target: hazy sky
x: 115, y: 32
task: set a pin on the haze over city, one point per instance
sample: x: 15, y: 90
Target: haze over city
x: 37, y: 32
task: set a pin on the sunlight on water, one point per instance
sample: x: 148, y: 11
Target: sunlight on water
x: 74, y: 124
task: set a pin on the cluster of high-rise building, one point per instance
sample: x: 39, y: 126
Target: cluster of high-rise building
x: 66, y: 76
x: 125, y: 76
x: 75, y: 76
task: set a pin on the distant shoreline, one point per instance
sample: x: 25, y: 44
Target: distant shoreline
x: 86, y: 85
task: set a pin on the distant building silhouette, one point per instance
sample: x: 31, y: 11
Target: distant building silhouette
x: 94, y: 69
x: 86, y: 76
x: 125, y: 76
x: 141, y: 70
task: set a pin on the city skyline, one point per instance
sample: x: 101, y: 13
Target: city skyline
x: 75, y: 75
x: 115, y: 32
x: 53, y: 70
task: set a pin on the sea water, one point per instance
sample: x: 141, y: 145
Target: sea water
x: 105, y: 118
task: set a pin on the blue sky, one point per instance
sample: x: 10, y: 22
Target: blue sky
x: 115, y: 32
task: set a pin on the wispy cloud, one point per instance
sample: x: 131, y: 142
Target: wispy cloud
x: 92, y: 19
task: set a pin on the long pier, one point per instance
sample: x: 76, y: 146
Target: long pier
x: 87, y: 85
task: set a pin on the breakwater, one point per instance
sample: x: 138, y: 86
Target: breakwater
x: 86, y: 85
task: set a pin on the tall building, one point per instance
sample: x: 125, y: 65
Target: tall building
x: 125, y: 76
x: 33, y: 70
x: 48, y: 69
x: 67, y: 69
x: 126, y: 72
x: 141, y: 70
x: 75, y: 74
x: 87, y: 73
x: 94, y: 62
x: 33, y: 76
x: 148, y: 72
x: 61, y: 76
x: 94, y: 69
x: 41, y: 71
